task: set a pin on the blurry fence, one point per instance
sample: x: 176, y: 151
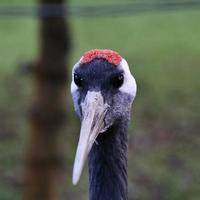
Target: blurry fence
x: 96, y: 10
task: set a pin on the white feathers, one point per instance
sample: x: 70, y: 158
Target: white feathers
x: 73, y: 85
x: 129, y: 86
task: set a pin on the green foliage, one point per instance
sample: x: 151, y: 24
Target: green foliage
x: 162, y: 50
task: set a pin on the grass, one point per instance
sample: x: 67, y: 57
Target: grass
x: 162, y: 50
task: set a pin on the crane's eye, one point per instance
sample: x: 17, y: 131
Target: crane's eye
x: 78, y: 80
x: 118, y: 81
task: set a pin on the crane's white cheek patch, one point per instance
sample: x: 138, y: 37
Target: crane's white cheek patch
x: 129, y: 86
x: 73, y: 87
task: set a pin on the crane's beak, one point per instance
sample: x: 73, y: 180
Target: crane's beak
x: 94, y: 110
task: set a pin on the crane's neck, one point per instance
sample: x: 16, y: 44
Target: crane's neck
x: 108, y: 164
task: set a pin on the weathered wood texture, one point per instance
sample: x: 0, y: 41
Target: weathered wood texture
x: 48, y: 111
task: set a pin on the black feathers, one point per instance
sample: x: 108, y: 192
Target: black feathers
x: 108, y: 165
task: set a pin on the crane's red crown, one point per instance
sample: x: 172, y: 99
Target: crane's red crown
x: 110, y: 55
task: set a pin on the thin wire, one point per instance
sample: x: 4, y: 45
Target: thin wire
x: 94, y: 10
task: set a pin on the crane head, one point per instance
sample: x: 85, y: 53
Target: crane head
x: 103, y: 90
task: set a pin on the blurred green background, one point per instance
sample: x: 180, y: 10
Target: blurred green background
x: 163, y: 51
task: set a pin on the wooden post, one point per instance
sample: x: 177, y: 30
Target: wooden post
x: 48, y: 111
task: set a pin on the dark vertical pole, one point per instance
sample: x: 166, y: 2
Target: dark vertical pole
x: 43, y: 162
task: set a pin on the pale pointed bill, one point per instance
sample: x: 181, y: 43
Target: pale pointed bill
x: 94, y: 110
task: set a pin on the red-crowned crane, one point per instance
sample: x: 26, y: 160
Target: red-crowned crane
x: 103, y: 90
